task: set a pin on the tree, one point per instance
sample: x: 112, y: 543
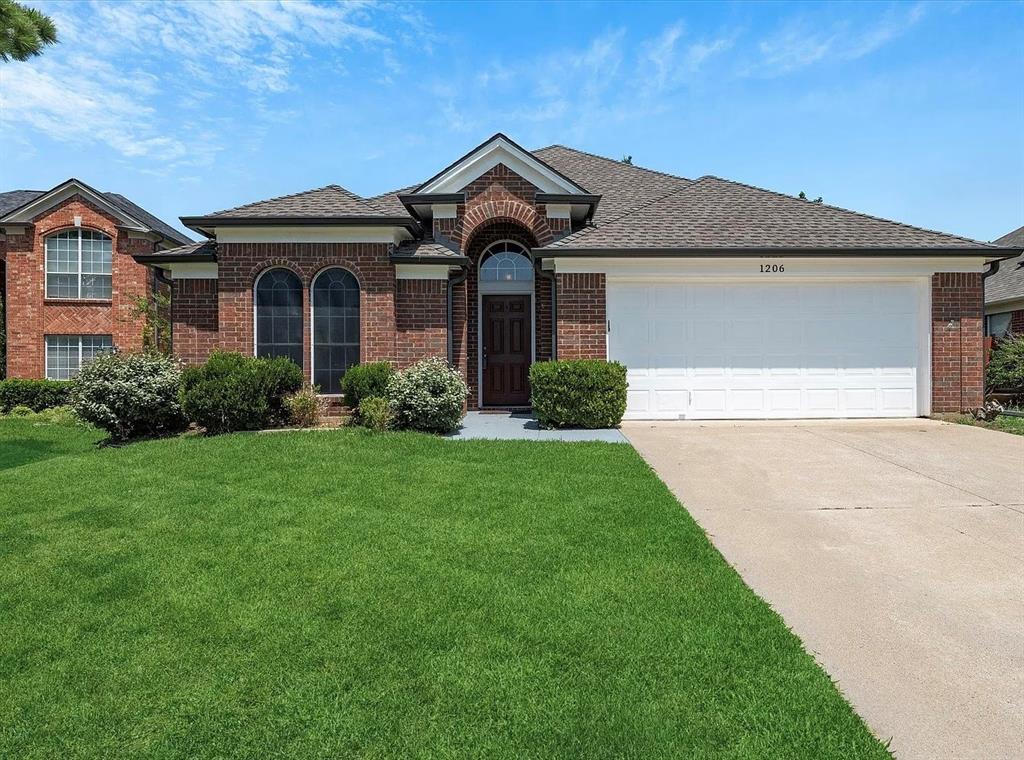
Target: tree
x: 627, y: 160
x: 23, y: 31
x: 803, y: 196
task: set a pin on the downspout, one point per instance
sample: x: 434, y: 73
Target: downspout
x: 993, y: 267
x: 457, y: 280
x: 550, y: 277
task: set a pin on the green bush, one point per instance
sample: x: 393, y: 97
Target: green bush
x: 376, y: 413
x: 428, y: 396
x: 129, y: 395
x: 365, y: 381
x: 578, y: 393
x: 35, y: 394
x: 20, y: 411
x: 234, y: 392
x: 305, y: 407
x: 1006, y: 364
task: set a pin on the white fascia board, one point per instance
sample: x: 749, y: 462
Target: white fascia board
x: 1007, y: 304
x: 311, y: 234
x: 444, y: 210
x: 191, y: 270
x: 64, y: 191
x: 559, y: 211
x: 488, y: 156
x: 421, y: 271
x: 712, y: 267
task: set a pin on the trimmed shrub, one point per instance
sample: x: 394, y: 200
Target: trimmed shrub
x: 20, y: 411
x: 233, y: 392
x: 129, y: 395
x: 1006, y: 364
x: 428, y: 396
x: 305, y: 407
x: 366, y: 381
x: 578, y: 393
x: 35, y: 394
x: 376, y: 413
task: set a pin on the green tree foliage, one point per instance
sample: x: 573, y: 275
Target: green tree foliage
x: 803, y: 196
x: 24, y: 32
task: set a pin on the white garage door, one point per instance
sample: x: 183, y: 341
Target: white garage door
x: 792, y: 350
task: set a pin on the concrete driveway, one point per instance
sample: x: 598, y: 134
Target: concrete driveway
x: 894, y: 549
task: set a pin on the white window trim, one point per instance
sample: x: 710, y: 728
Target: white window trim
x: 46, y: 352
x: 78, y: 273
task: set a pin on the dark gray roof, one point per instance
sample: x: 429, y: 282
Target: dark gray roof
x: 15, y: 199
x: 622, y: 187
x: 389, y: 202
x: 203, y: 251
x: 421, y: 251
x: 714, y: 213
x: 1008, y: 282
x: 329, y: 201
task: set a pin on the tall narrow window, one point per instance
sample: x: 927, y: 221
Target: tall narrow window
x: 335, y: 327
x: 279, y: 315
x: 78, y: 264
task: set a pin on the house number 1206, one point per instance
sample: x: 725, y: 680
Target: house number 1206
x: 772, y: 268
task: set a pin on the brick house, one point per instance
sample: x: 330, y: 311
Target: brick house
x: 723, y: 300
x: 68, y: 278
x: 1004, y: 291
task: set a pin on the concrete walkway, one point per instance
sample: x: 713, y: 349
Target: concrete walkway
x: 511, y: 427
x: 894, y: 549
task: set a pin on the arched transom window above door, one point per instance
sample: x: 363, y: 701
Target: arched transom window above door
x: 506, y: 261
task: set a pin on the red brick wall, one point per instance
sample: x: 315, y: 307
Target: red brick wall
x: 421, y: 320
x: 194, y: 326
x: 581, y: 316
x: 498, y: 194
x: 238, y: 265
x: 31, y: 316
x: 958, y: 382
x: 1017, y: 322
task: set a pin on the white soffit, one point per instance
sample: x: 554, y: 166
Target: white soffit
x: 191, y: 270
x: 485, y: 158
x: 421, y: 271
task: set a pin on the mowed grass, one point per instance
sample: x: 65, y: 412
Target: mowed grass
x: 339, y: 594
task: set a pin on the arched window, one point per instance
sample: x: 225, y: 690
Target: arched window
x: 78, y: 264
x: 335, y: 294
x: 279, y: 315
x: 506, y: 262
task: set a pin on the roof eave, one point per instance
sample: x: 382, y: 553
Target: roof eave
x: 451, y: 260
x: 149, y: 258
x: 204, y: 224
x: 750, y: 252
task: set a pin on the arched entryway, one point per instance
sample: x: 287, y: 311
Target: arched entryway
x: 506, y: 308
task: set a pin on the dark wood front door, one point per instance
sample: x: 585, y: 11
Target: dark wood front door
x: 508, y: 336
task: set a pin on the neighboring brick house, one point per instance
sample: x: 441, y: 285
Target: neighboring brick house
x: 1004, y: 291
x: 67, y: 277
x: 722, y: 300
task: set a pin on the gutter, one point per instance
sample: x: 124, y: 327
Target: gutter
x: 458, y: 280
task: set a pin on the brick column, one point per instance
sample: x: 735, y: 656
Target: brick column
x: 581, y: 316
x: 421, y: 320
x: 194, y: 325
x: 958, y: 376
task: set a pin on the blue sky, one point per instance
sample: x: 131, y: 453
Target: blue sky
x: 912, y: 111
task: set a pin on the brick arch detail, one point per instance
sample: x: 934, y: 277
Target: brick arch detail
x: 507, y: 210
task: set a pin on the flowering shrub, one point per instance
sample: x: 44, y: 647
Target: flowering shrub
x: 129, y: 395
x: 428, y: 396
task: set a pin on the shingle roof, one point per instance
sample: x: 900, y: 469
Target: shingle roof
x: 1008, y: 282
x: 332, y: 200
x: 389, y: 202
x: 420, y: 249
x: 14, y: 199
x: 716, y: 213
x: 202, y: 250
x: 622, y: 187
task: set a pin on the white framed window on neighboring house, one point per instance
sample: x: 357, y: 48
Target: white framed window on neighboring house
x: 67, y: 354
x: 998, y: 325
x: 79, y: 264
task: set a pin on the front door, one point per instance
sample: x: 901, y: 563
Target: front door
x: 507, y: 338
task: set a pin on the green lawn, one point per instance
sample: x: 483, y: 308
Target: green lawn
x: 337, y: 594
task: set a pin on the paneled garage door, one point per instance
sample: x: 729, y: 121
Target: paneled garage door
x: 732, y: 350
